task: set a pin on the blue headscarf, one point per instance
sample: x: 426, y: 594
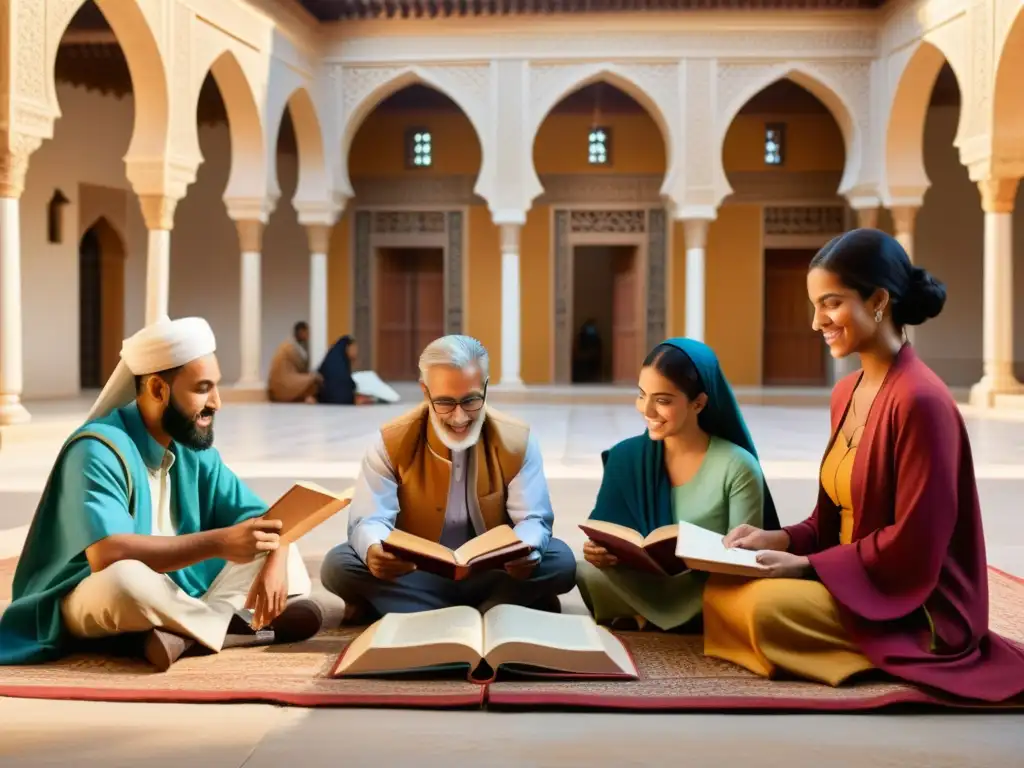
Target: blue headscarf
x: 637, y: 492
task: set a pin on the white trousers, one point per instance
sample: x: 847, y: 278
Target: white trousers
x: 128, y: 596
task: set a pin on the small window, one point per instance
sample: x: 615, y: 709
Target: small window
x: 599, y: 146
x: 419, y: 148
x: 774, y: 143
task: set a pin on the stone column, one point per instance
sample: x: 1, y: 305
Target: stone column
x: 13, y: 167
x: 867, y: 218
x: 511, y: 325
x: 997, y: 198
x: 695, y: 231
x: 158, y: 212
x: 903, y: 218
x: 250, y: 240
x: 319, y: 241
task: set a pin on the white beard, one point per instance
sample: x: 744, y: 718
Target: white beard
x: 471, y: 438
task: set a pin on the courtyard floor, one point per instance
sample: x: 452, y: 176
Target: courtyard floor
x: 272, y: 446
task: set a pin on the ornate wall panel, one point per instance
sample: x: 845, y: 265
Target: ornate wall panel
x: 657, y: 276
x: 373, y: 225
x: 805, y: 220
x: 563, y: 298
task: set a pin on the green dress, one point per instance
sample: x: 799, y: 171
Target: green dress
x: 727, y: 491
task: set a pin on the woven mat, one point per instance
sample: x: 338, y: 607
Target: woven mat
x: 674, y: 675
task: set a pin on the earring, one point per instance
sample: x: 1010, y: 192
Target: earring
x: 878, y: 315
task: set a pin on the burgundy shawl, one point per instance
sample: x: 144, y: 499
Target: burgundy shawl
x: 917, y: 560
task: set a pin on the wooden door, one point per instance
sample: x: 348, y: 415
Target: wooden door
x: 794, y: 353
x: 90, y: 312
x: 625, y: 328
x: 410, y: 314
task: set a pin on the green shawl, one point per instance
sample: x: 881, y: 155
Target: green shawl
x: 636, y: 491
x: 101, y: 489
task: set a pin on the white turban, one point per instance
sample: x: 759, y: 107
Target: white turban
x: 158, y: 347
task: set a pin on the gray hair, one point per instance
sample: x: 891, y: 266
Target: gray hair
x: 456, y: 351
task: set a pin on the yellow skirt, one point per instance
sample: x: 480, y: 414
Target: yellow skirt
x: 767, y: 625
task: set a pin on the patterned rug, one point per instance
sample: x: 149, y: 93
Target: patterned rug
x: 674, y: 675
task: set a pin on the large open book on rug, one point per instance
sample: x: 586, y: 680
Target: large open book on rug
x: 304, y: 506
x: 672, y: 549
x: 510, y: 637
x: 486, y: 552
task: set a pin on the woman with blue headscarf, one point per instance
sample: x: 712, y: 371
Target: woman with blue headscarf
x: 695, y: 463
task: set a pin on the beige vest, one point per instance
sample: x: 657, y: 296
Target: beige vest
x: 423, y: 469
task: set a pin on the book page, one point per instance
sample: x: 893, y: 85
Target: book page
x: 516, y: 624
x: 459, y: 624
x: 701, y: 544
x: 664, y: 533
x: 499, y: 537
x: 614, y: 529
x: 426, y: 547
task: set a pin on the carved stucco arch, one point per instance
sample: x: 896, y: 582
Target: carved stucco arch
x: 145, y: 62
x: 549, y: 85
x: 739, y: 83
x: 248, y: 176
x: 1008, y: 103
x: 363, y: 88
x: 313, y: 184
x: 913, y: 74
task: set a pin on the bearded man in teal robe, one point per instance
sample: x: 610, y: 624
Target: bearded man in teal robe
x: 143, y: 531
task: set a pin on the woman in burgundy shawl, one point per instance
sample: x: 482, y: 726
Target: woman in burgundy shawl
x: 889, y: 571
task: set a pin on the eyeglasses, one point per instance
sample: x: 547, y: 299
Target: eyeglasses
x: 446, y: 405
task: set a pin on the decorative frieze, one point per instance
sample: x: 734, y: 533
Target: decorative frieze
x: 600, y: 189
x: 453, y: 270
x: 563, y: 298
x: 657, y: 277
x: 408, y: 222
x: 607, y: 222
x: 804, y: 220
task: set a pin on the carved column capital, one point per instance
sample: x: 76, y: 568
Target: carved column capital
x: 903, y: 217
x: 14, y: 163
x: 250, y: 235
x: 867, y: 218
x: 319, y: 237
x: 158, y: 211
x: 510, y: 238
x: 998, y: 195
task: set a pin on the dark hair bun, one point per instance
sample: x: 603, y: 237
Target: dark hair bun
x: 924, y: 299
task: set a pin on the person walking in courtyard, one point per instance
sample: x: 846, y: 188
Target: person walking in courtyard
x: 889, y: 572
x: 143, y: 531
x: 449, y: 470
x: 696, y: 463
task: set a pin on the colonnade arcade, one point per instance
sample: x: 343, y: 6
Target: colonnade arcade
x: 874, y: 72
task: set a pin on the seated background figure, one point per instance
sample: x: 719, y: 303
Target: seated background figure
x: 449, y: 470
x: 889, y: 572
x: 696, y: 463
x: 289, y: 379
x: 340, y: 386
x: 142, y: 529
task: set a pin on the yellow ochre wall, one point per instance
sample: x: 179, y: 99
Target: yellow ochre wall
x: 734, y: 298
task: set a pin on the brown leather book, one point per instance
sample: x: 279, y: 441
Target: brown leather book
x: 487, y: 551
x: 654, y: 553
x: 518, y: 640
x: 304, y: 506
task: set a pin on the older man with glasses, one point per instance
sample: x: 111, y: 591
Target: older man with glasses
x: 449, y: 470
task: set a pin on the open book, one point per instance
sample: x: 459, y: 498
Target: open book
x: 487, y: 551
x: 518, y: 639
x: 703, y: 550
x: 655, y: 553
x: 303, y: 507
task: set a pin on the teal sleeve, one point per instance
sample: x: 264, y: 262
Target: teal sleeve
x: 232, y: 500
x: 93, y: 500
x: 745, y: 483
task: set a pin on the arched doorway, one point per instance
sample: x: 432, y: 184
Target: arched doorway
x: 610, y: 259
x: 101, y: 257
x: 784, y: 156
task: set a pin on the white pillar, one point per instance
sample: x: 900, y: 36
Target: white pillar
x: 903, y: 218
x: 250, y: 240
x: 695, y: 231
x: 997, y: 198
x: 12, y: 182
x: 319, y: 240
x: 511, y: 330
x: 158, y: 212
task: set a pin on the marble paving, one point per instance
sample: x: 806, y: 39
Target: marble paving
x: 271, y: 446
